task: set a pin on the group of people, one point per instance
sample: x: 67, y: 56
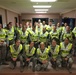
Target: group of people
x: 39, y: 43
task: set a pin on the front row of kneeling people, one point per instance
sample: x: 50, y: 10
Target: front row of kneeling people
x: 58, y: 55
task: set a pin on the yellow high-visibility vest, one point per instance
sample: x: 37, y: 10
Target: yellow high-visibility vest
x: 65, y: 51
x: 2, y: 34
x: 44, y: 55
x: 32, y: 51
x: 14, y: 52
x: 55, y: 51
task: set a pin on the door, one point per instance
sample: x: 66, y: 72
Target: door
x: 1, y: 19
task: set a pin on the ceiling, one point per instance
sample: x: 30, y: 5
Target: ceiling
x: 26, y: 6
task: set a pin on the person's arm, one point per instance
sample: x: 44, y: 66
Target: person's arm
x: 61, y: 37
x: 49, y: 53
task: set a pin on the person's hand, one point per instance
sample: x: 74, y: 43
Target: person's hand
x: 28, y: 59
x: 14, y: 59
x: 45, y: 61
x: 22, y: 41
x: 1, y: 42
x: 7, y: 45
x: 66, y: 59
x: 54, y: 59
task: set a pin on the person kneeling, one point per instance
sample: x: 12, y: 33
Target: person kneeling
x: 28, y: 54
x: 42, y: 57
x: 54, y: 51
x: 66, y: 53
x: 16, y: 53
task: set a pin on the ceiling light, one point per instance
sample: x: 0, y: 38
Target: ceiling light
x: 43, y: 0
x: 42, y: 6
x: 37, y: 3
x: 41, y: 12
x: 41, y: 9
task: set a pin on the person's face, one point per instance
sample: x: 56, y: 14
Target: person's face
x: 42, y: 46
x: 54, y: 28
x: 11, y: 23
x: 58, y: 24
x: 35, y: 23
x: 17, y: 24
x: 53, y: 43
x: 50, y: 23
x: 43, y: 22
x: 17, y: 43
x: 24, y: 28
x: 65, y: 24
x: 0, y: 26
x: 21, y: 25
x: 30, y: 24
x: 66, y: 41
x: 31, y: 44
x: 39, y: 21
x: 67, y: 28
x: 10, y: 26
x: 27, y: 24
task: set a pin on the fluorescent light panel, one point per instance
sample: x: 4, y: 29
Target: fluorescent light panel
x: 41, y: 12
x: 42, y: 6
x: 41, y: 9
x: 43, y: 0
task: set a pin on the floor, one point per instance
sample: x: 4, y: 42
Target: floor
x: 5, y: 70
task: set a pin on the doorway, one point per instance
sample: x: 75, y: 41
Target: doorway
x: 16, y: 20
x: 1, y: 19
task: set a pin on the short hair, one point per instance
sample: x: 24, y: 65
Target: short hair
x: 17, y: 40
x: 54, y: 39
x: 10, y: 22
x: 30, y: 42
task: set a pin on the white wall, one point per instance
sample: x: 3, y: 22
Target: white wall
x: 50, y: 16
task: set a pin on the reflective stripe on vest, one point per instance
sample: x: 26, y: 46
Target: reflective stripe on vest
x: 69, y: 35
x: 54, y: 35
x: 55, y: 51
x: 32, y: 51
x: 44, y: 55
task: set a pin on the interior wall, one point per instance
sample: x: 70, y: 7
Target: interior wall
x: 8, y: 16
x: 30, y: 16
x: 2, y: 12
x: 11, y: 17
x: 71, y: 14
